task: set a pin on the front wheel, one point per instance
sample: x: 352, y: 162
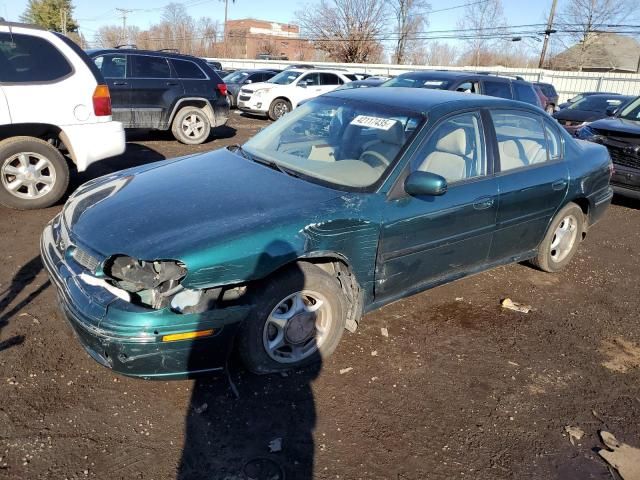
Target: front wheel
x: 191, y: 126
x: 279, y: 108
x: 298, y: 319
x: 562, y: 239
x: 33, y: 173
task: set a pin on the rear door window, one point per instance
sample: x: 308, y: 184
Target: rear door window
x: 521, y: 139
x: 29, y: 59
x: 112, y: 66
x: 525, y: 93
x: 187, y: 70
x: 145, y: 66
x: 497, y: 89
x: 330, y: 79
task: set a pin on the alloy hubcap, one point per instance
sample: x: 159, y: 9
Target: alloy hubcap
x: 564, y: 238
x: 28, y: 175
x: 193, y: 126
x: 280, y: 109
x: 297, y: 327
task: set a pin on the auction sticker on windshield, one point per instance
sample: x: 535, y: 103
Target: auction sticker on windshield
x: 373, y: 122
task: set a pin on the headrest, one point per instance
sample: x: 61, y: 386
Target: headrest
x: 509, y: 148
x: 454, y: 142
x: 394, y: 136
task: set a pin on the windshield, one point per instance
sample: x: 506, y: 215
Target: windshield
x: 417, y: 82
x: 595, y: 104
x: 576, y: 98
x: 236, y: 77
x: 338, y: 142
x: 285, y: 78
x: 631, y: 111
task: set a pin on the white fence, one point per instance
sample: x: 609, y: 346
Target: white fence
x: 567, y: 84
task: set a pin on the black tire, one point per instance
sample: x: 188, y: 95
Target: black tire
x: 35, y: 151
x: 549, y: 259
x: 279, y: 108
x: 303, y: 277
x: 198, y: 132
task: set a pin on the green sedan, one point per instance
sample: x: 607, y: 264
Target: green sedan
x: 356, y: 199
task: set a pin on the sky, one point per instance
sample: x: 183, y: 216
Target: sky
x: 91, y: 14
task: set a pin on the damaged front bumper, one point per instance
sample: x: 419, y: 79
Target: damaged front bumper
x: 130, y: 339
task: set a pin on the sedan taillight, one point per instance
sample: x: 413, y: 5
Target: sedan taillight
x: 222, y: 88
x: 101, y: 101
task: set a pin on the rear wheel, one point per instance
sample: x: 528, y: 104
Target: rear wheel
x: 191, y: 126
x: 33, y: 173
x: 298, y: 319
x: 562, y: 239
x: 279, y: 108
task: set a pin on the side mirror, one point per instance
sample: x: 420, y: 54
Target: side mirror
x: 302, y: 84
x: 611, y: 110
x: 425, y: 183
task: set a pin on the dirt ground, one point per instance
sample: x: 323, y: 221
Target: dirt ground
x: 460, y: 388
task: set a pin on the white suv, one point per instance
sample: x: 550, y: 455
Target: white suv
x: 52, y: 99
x: 282, y: 93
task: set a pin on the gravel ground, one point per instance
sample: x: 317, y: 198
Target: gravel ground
x: 460, y: 388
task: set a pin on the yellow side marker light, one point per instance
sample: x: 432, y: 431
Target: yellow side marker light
x: 174, y: 337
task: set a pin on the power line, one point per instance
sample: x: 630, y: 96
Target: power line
x: 457, y: 6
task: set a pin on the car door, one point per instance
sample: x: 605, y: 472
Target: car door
x: 307, y: 86
x: 193, y: 79
x: 154, y: 91
x: 497, y: 88
x: 114, y: 70
x: 533, y: 179
x: 5, y: 115
x: 426, y: 239
x: 329, y: 82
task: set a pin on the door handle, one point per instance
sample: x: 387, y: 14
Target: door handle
x: 559, y: 185
x: 483, y: 203
x: 172, y: 84
x: 120, y: 83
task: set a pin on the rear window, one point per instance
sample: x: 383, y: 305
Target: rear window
x: 187, y: 69
x: 27, y: 59
x: 525, y: 93
x: 150, y: 67
x: 497, y: 89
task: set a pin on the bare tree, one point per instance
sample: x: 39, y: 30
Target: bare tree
x: 437, y: 53
x: 483, y: 22
x: 584, y: 19
x: 410, y: 18
x: 109, y: 36
x: 346, y: 30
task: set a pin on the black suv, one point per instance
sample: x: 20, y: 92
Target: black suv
x: 621, y: 135
x: 513, y: 88
x: 163, y: 91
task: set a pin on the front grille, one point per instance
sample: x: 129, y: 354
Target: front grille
x: 85, y: 259
x: 624, y: 156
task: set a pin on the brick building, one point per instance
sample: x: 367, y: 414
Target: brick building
x: 251, y: 38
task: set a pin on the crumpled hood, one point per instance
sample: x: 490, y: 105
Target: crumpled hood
x: 174, y: 209
x: 617, y: 125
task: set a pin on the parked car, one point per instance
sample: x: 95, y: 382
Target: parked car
x: 282, y: 93
x: 621, y: 135
x: 358, y: 198
x: 589, y: 109
x: 550, y: 92
x: 361, y: 84
x: 163, y: 90
x: 53, y: 101
x: 468, y: 82
x: 216, y: 65
x: 580, y: 96
x: 237, y: 79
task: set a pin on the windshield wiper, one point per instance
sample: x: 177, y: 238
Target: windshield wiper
x: 262, y: 161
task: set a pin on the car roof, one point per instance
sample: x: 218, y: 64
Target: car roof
x: 617, y: 96
x: 423, y: 99
x: 134, y: 51
x: 316, y: 70
x: 457, y: 74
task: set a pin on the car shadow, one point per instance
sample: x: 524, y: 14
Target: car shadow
x: 21, y: 280
x: 247, y: 426
x: 626, y: 202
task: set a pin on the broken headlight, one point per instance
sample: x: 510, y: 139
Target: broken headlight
x: 151, y: 283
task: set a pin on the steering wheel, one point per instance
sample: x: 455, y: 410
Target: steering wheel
x: 378, y: 158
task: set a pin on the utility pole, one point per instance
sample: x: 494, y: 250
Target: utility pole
x: 547, y: 33
x: 226, y: 7
x: 123, y: 13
